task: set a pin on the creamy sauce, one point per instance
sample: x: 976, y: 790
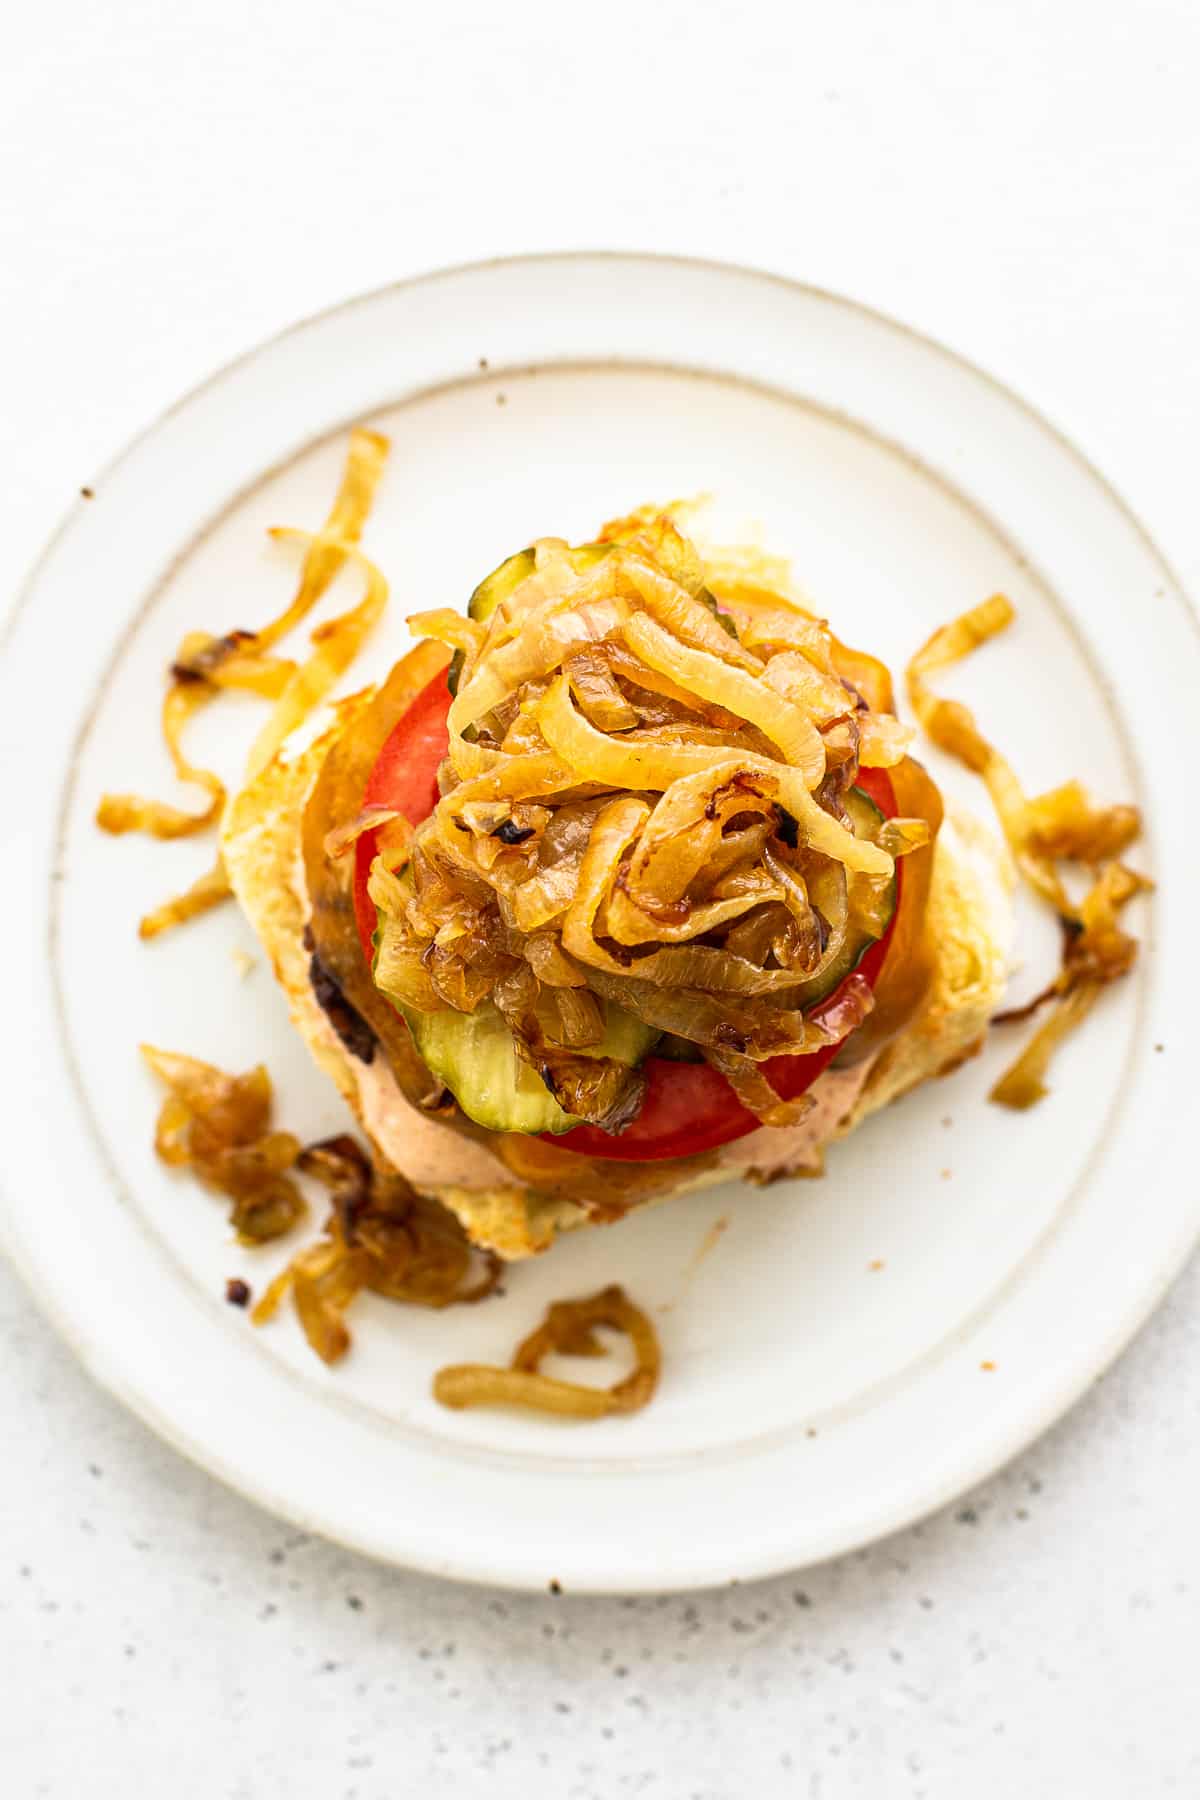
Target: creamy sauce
x: 431, y: 1153
x: 769, y: 1152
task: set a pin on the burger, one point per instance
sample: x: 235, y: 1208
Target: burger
x: 622, y: 883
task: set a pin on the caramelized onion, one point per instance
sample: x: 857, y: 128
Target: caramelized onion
x: 1096, y: 952
x: 1065, y: 824
x: 118, y: 813
x: 900, y: 837
x: 233, y: 662
x: 342, y: 529
x: 755, y: 1092
x: 629, y: 763
x: 208, y: 891
x: 883, y: 741
x: 953, y: 729
x: 621, y: 762
x: 335, y: 645
x: 569, y: 1329
x: 1061, y: 825
x: 748, y: 695
x: 448, y: 627
x: 218, y: 1125
x: 380, y: 1234
x: 204, y: 665
x: 685, y: 617
x: 344, y: 837
x: 1024, y: 1084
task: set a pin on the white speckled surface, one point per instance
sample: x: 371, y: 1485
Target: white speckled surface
x: 1039, y: 1638
x: 1017, y: 179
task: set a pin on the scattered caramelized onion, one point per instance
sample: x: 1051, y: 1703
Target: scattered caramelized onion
x: 381, y: 1235
x: 351, y: 508
x: 569, y: 1329
x: 1065, y: 824
x: 209, y: 891
x: 953, y: 729
x: 218, y: 1125
x: 1096, y: 952
x: 231, y: 662
x: 1024, y: 1084
x: 118, y: 813
x: 205, y: 665
x: 1061, y: 825
x: 335, y: 645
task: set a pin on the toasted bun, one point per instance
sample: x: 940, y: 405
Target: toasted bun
x: 970, y: 927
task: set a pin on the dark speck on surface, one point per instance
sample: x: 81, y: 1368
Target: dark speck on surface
x: 483, y: 362
x: 87, y: 493
x: 968, y: 1516
x: 95, y: 1471
x: 354, y: 1602
x: 556, y: 1587
x: 237, y: 1291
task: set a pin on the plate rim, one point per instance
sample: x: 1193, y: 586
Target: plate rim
x: 1057, y: 1396
x: 475, y: 265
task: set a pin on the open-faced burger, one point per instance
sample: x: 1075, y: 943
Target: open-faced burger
x: 622, y: 883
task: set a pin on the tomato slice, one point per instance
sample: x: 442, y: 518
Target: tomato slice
x: 689, y: 1108
x: 405, y: 780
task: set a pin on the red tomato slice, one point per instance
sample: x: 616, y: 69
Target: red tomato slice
x: 689, y: 1107
x: 405, y: 780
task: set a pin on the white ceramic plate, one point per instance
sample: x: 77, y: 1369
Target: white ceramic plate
x: 810, y: 1401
